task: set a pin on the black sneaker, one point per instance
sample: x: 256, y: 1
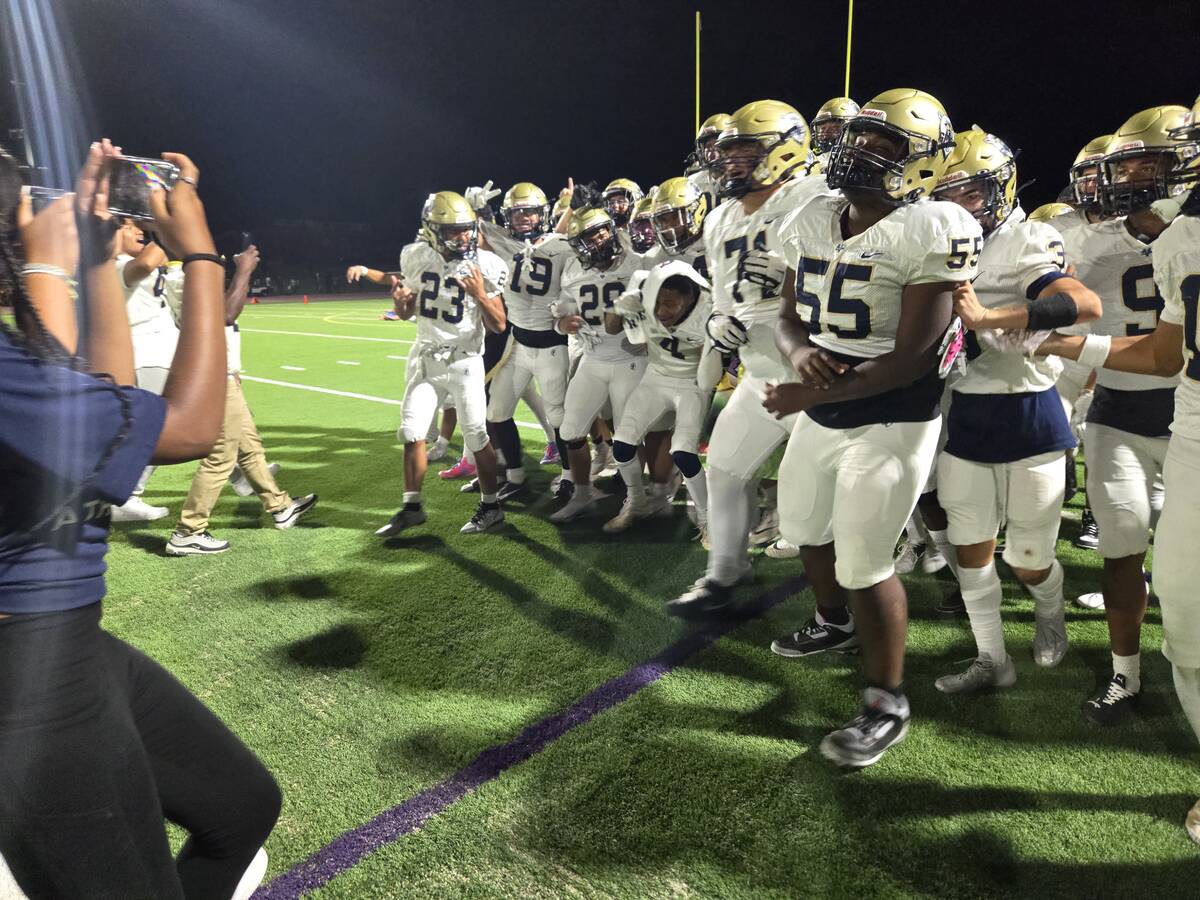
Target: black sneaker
x: 511, y: 489
x: 411, y: 514
x: 816, y: 637
x: 882, y: 724
x: 705, y: 597
x: 1112, y: 705
x: 1089, y: 532
x: 951, y: 606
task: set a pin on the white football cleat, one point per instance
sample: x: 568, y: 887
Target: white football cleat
x: 581, y: 502
x: 135, y: 509
x: 933, y: 561
x: 908, y: 557
x: 1094, y: 600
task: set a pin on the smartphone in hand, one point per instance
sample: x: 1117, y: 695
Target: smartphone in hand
x: 131, y: 180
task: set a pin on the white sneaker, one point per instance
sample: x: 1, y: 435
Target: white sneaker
x: 135, y: 509
x: 437, y: 450
x: 1094, y: 600
x: 290, y: 514
x: 602, y: 460
x: 983, y: 673
x: 1192, y: 823
x: 908, y: 557
x: 252, y: 877
x: 200, y: 544
x: 580, y: 503
x: 485, y: 518
x: 767, y: 529
x: 933, y: 561
x: 782, y: 549
x: 624, y: 520
x: 658, y: 506
x: 1050, y: 639
x: 241, y: 484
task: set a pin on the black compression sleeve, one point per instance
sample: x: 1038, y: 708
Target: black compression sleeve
x: 1055, y: 311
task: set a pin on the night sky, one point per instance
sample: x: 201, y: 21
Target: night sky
x: 354, y: 111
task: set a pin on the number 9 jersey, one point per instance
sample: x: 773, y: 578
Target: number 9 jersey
x: 446, y: 315
x: 849, y: 288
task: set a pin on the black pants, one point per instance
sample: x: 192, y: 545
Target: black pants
x: 98, y: 743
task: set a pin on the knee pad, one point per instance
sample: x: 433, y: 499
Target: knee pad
x: 623, y: 452
x: 687, y: 463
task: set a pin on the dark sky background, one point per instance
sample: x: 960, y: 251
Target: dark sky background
x: 354, y: 111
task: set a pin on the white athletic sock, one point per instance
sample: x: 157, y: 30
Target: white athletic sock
x: 469, y: 455
x: 1187, y: 689
x: 501, y: 462
x: 412, y: 497
x: 729, y: 502
x: 582, y: 492
x: 942, y: 542
x: 659, y: 490
x: 631, y: 474
x: 567, y: 476
x: 982, y: 593
x: 1048, y: 596
x: 1131, y: 668
x: 913, y: 529
x: 516, y: 476
x: 697, y: 487
x: 487, y: 498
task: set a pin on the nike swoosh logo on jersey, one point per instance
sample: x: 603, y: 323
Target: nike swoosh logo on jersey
x: 871, y: 254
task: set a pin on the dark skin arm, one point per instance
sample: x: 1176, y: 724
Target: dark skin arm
x: 239, y: 289
x: 925, y: 311
x: 814, y: 365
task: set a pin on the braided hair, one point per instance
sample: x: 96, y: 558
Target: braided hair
x: 35, y: 339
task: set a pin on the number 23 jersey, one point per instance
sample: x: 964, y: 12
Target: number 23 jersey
x: 446, y: 314
x: 848, y: 289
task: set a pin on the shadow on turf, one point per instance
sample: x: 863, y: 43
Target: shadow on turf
x: 341, y: 647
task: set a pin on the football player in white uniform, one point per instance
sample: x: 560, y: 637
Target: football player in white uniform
x: 641, y: 226
x: 1173, y: 345
x: 678, y: 210
x: 536, y: 260
x: 611, y: 365
x: 704, y: 165
x: 764, y: 151
x: 827, y: 126
x: 620, y: 197
x: 1007, y: 427
x: 454, y: 290
x: 671, y: 303
x: 874, y: 265
x: 1129, y: 421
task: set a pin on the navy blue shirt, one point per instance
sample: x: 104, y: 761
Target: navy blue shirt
x: 1003, y: 428
x: 56, y: 426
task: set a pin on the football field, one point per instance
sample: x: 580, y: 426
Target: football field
x: 513, y: 714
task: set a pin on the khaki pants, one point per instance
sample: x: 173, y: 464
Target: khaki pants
x: 240, y: 445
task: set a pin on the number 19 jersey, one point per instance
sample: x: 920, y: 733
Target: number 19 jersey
x: 447, y: 316
x: 535, y: 276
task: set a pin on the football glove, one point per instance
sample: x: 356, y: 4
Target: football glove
x: 479, y: 197
x: 726, y: 332
x: 629, y: 305
x: 1023, y: 342
x: 586, y: 195
x: 757, y: 267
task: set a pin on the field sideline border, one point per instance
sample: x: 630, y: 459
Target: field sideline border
x: 349, y: 849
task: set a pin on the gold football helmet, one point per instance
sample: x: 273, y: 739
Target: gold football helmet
x: 525, y: 211
x: 641, y: 225
x: 679, y: 211
x: 1189, y: 129
x: 1145, y: 162
x: 620, y: 196
x: 829, y: 121
x: 706, y: 155
x: 592, y: 234
x: 1085, y: 172
x: 776, y: 138
x: 449, y: 225
x: 898, y: 145
x: 1050, y: 211
x: 981, y: 177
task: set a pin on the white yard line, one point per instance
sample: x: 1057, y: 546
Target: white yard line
x: 529, y: 426
x: 402, y: 359
x: 293, y: 368
x: 343, y: 337
x: 346, y: 362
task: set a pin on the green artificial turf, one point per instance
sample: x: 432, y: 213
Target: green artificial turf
x: 363, y: 672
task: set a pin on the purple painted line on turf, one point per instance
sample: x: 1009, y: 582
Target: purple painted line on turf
x: 347, y: 851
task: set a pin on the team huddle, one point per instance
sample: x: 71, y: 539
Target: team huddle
x: 929, y: 357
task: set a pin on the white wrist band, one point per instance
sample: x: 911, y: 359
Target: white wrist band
x: 1094, y: 353
x: 44, y: 269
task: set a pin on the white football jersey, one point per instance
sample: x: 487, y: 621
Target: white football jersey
x: 152, y: 326
x: 676, y: 351
x: 849, y: 289
x: 446, y: 315
x: 692, y: 255
x: 1177, y: 274
x: 534, y: 275
x: 589, y: 293
x: 1019, y: 259
x: 1118, y: 267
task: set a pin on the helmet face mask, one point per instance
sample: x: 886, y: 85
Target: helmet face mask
x: 738, y: 160
x: 1085, y: 184
x: 1149, y: 158
x: 450, y: 226
x: 825, y: 133
x: 596, y: 246
x: 982, y: 197
x: 641, y: 233
x: 457, y: 241
x: 869, y: 156
x: 1131, y: 181
x: 526, y: 223
x: 619, y: 204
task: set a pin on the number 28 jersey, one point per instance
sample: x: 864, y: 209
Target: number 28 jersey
x: 848, y: 289
x: 1177, y: 274
x: 590, y: 293
x: 447, y: 316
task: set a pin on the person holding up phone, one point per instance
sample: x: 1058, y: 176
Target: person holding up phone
x: 98, y: 743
